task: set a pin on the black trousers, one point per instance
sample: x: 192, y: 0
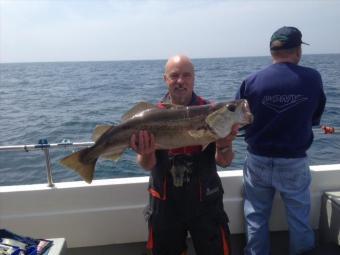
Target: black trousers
x: 183, y: 212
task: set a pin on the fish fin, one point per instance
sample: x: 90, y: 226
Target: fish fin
x: 112, y: 156
x: 220, y: 122
x: 99, y: 131
x: 85, y: 170
x: 139, y: 107
x: 197, y: 133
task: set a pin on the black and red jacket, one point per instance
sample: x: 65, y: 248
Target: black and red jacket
x: 204, y: 165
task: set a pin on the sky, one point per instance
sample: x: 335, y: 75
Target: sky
x: 105, y: 30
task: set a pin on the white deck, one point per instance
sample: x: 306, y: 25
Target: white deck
x: 110, y: 211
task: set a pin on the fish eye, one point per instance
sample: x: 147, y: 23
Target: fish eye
x: 231, y: 107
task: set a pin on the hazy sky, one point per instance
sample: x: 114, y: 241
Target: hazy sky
x: 84, y: 30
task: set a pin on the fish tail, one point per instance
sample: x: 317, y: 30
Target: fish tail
x: 75, y: 162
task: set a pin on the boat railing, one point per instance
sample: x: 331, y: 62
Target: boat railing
x: 45, y: 147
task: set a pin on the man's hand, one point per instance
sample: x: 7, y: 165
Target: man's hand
x: 224, y: 153
x: 144, y: 145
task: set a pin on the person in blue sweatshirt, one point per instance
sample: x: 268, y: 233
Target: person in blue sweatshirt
x: 287, y: 100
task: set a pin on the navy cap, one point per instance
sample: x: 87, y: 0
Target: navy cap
x: 286, y: 38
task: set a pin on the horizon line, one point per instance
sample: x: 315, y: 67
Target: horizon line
x: 156, y: 59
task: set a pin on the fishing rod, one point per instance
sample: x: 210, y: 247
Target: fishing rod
x: 322, y: 130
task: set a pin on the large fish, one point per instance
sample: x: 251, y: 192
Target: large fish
x: 173, y: 127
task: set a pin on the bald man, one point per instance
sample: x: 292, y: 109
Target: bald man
x: 185, y: 190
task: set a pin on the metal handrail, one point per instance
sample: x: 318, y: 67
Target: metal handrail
x: 45, y: 146
x: 32, y: 147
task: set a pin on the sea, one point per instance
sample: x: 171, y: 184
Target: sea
x: 66, y: 100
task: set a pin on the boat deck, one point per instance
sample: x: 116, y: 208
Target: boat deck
x: 279, y: 243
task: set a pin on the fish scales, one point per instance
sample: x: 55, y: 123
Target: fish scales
x: 174, y: 127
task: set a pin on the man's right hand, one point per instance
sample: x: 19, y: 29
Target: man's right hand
x: 144, y: 145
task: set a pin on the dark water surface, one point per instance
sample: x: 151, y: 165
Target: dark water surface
x: 57, y: 101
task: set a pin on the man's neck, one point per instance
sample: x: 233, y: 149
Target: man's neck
x: 185, y: 103
x: 285, y: 60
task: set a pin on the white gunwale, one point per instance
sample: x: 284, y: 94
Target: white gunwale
x: 110, y: 211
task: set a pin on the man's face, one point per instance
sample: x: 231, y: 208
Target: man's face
x: 179, y: 76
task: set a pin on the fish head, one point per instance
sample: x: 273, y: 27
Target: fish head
x: 228, y: 114
x: 242, y: 112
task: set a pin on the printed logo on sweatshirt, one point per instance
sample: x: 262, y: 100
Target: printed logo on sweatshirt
x: 281, y: 103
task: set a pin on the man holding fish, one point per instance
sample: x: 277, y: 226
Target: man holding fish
x: 185, y: 189
x: 179, y: 141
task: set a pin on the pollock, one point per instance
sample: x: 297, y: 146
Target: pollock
x: 173, y: 127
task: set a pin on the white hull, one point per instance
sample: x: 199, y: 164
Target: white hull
x: 111, y: 211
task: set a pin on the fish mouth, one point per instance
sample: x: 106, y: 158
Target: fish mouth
x: 248, y: 117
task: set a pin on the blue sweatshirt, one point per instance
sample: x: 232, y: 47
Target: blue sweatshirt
x: 286, y: 100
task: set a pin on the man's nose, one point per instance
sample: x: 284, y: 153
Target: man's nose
x: 180, y: 79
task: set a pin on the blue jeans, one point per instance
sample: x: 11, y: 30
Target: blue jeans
x: 262, y: 177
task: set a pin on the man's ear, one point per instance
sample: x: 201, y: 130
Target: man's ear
x: 299, y: 52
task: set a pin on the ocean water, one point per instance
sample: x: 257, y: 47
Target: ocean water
x: 57, y: 101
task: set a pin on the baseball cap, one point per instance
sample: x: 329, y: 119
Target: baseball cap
x: 286, y: 38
